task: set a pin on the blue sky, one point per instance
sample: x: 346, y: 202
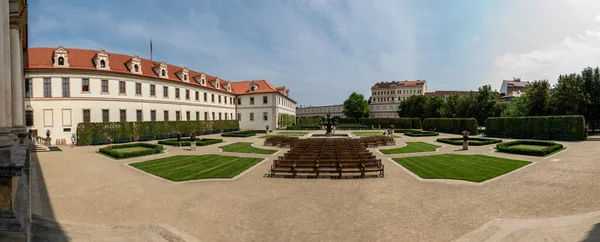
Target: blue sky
x: 325, y: 49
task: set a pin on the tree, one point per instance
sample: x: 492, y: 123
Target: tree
x: 515, y: 108
x: 487, y: 104
x: 570, y: 96
x: 356, y: 106
x: 537, y: 98
x: 435, y: 107
x: 413, y: 107
x: 591, y: 82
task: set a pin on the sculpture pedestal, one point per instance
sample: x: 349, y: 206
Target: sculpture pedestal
x: 465, y: 145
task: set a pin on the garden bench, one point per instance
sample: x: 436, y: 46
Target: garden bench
x: 145, y: 138
x: 101, y: 141
x: 122, y: 140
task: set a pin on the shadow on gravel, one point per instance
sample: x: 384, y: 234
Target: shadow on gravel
x: 594, y: 234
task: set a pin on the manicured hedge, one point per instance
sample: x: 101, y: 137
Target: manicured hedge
x: 238, y: 134
x: 509, y: 147
x: 87, y: 133
x: 347, y: 121
x: 303, y: 127
x: 451, y: 125
x: 112, y: 150
x: 286, y: 119
x: 353, y: 127
x: 417, y: 133
x: 537, y: 127
x: 302, y: 121
x: 399, y: 123
x: 472, y: 141
x: 187, y: 142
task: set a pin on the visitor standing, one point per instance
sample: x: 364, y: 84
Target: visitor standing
x: 72, y: 141
x: 267, y: 129
x: 178, y: 139
x: 193, y: 141
x: 31, y: 136
x: 465, y: 134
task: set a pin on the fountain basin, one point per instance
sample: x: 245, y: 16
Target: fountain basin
x: 332, y: 136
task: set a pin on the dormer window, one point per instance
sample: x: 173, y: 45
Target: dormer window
x: 136, y: 68
x: 217, y: 85
x: 163, y: 73
x: 161, y: 70
x: 60, y: 58
x: 134, y: 65
x: 183, y: 74
x: 102, y: 64
x: 203, y: 81
x: 61, y: 61
x: 185, y: 77
x: 101, y: 60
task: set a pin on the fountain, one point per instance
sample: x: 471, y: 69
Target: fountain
x: 329, y: 123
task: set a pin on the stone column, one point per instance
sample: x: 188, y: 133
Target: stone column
x: 17, y: 80
x: 6, y: 61
x: 3, y: 81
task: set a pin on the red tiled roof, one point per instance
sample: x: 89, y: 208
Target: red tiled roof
x: 517, y: 83
x: 399, y: 83
x: 243, y: 87
x: 82, y: 59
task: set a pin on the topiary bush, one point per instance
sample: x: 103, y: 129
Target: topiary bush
x: 509, y: 147
x: 451, y: 125
x: 113, y: 150
x: 417, y: 133
x: 238, y: 134
x: 567, y: 127
x: 472, y: 141
x: 188, y: 142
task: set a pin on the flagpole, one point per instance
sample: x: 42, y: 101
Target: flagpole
x: 151, y: 50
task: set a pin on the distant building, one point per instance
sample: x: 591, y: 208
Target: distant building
x: 310, y: 111
x: 446, y: 94
x: 385, y: 96
x: 514, y: 87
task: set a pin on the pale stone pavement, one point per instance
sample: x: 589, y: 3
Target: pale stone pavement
x: 95, y: 198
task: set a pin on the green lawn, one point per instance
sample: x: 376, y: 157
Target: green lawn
x: 245, y: 147
x: 531, y: 147
x: 411, y: 147
x: 192, y: 167
x: 475, y: 168
x: 285, y: 134
x: 371, y: 133
x: 132, y: 149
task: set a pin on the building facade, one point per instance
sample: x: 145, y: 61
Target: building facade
x: 64, y: 87
x: 311, y: 111
x: 514, y: 87
x: 446, y: 94
x: 386, y: 96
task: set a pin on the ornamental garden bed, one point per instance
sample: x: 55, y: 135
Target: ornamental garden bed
x: 187, y: 142
x: 131, y: 150
x: 293, y: 134
x: 238, y: 134
x: 472, y: 141
x: 245, y: 147
x: 371, y: 133
x: 411, y: 147
x: 530, y: 147
x: 417, y: 133
x: 193, y: 167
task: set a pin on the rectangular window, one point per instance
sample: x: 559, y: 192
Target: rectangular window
x: 205, y: 97
x: 239, y: 101
x: 86, y: 116
x: 197, y: 115
x: 28, y: 88
x: 65, y: 87
x: 188, y: 115
x: 212, y: 98
x: 251, y: 101
x: 187, y: 94
x: 105, y: 86
x: 239, y: 116
x: 138, y: 89
x: 138, y: 115
x: 265, y: 100
x: 152, y: 115
x: 225, y: 100
x: 166, y: 115
x: 47, y: 87
x: 213, y: 115
x: 251, y: 116
x: 29, y: 118
x: 85, y: 85
x: 165, y: 91
x: 205, y: 115
x: 123, y: 115
x: 105, y: 115
x: 197, y: 96
x: 225, y: 116
x: 176, y: 92
x: 121, y: 87
x: 230, y: 115
x: 231, y: 100
x: 152, y: 90
x: 265, y: 116
x: 177, y: 115
x: 220, y: 116
x: 219, y: 98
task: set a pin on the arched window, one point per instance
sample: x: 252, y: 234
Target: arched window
x: 163, y: 73
x: 185, y: 77
x: 102, y: 64
x: 203, y: 81
x: 253, y: 88
x: 136, y: 68
x: 217, y: 85
x: 61, y: 61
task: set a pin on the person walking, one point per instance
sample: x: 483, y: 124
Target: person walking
x: 193, y: 141
x: 72, y: 141
x: 178, y: 139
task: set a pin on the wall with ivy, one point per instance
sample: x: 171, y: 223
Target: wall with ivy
x: 285, y: 119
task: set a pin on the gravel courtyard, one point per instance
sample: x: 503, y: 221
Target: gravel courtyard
x: 86, y: 188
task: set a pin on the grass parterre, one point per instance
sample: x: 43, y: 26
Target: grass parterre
x: 474, y: 168
x: 245, y: 147
x: 530, y: 147
x: 411, y: 147
x: 192, y: 167
x: 472, y: 141
x: 417, y: 133
x: 187, y: 142
x: 131, y: 150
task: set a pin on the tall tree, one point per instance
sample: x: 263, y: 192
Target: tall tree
x: 356, y: 106
x: 413, y: 107
x: 434, y: 107
x: 514, y: 108
x: 537, y: 98
x: 591, y: 80
x: 570, y: 96
x: 487, y: 104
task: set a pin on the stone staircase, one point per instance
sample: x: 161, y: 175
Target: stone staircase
x: 38, y: 148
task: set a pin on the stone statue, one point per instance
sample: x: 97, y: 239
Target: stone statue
x: 328, y: 125
x: 465, y: 135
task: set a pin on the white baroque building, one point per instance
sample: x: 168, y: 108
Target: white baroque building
x: 386, y: 96
x: 65, y: 86
x: 310, y: 111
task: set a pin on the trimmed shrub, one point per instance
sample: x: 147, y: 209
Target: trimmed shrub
x: 472, y: 141
x: 567, y: 127
x: 285, y: 119
x: 303, y: 121
x: 347, y: 121
x: 188, y: 142
x: 509, y: 147
x: 353, y: 127
x: 257, y: 131
x: 399, y: 123
x: 87, y: 133
x: 238, y: 134
x: 112, y: 150
x: 303, y: 127
x: 417, y: 133
x: 451, y: 125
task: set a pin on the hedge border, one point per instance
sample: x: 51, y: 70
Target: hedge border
x: 451, y: 125
x: 417, y: 133
x: 239, y: 134
x: 551, y: 147
x: 537, y: 127
x: 479, y: 141
x: 110, y: 150
x: 187, y: 142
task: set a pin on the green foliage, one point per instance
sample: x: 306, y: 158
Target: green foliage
x: 347, y: 121
x: 570, y: 97
x: 400, y: 123
x: 451, y: 125
x: 472, y: 141
x: 113, y: 150
x: 238, y: 134
x: 356, y: 106
x: 303, y: 127
x: 591, y: 87
x: 411, y: 147
x: 89, y: 132
x: 188, y: 142
x: 304, y: 121
x: 534, y: 126
x: 417, y: 133
x: 352, y: 127
x: 509, y: 147
x: 537, y: 99
x: 413, y: 106
x: 515, y: 107
x: 286, y: 119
